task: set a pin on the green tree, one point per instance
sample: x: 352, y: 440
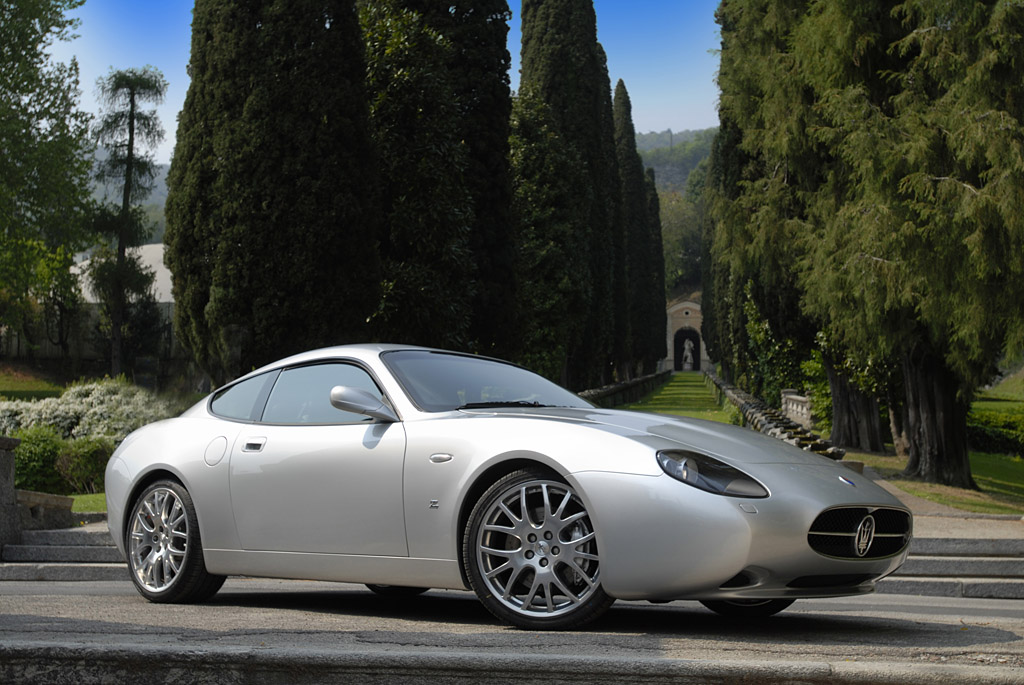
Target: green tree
x: 125, y: 130
x: 425, y: 245
x: 925, y: 246
x: 547, y: 205
x: 656, y: 347
x: 272, y: 208
x: 565, y: 66
x: 45, y: 164
x: 644, y: 264
x: 477, y: 66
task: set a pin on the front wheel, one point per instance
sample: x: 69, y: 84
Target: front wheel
x: 532, y: 554
x: 165, y: 554
x: 747, y: 608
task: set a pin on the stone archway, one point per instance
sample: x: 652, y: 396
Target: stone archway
x: 679, y: 348
x: 684, y: 323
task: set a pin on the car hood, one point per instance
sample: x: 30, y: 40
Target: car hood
x: 732, y: 443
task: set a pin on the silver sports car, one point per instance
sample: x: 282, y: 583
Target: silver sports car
x: 408, y: 468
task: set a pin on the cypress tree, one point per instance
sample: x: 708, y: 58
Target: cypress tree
x: 428, y: 269
x: 655, y: 345
x: 547, y: 205
x: 477, y: 66
x: 564, y: 65
x: 271, y: 212
x: 633, y: 264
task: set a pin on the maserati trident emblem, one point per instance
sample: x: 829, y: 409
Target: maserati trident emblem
x: 865, y: 535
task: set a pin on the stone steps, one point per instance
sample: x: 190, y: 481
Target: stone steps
x: 961, y: 567
x: 943, y: 567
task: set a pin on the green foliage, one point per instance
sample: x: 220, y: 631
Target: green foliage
x: 428, y: 270
x: 817, y: 390
x: 547, y: 206
x: 867, y: 179
x: 641, y: 274
x: 35, y: 460
x: 273, y: 204
x: 674, y: 164
x: 83, y: 461
x: 775, y: 364
x: 130, y: 284
x: 44, y: 166
x: 125, y: 130
x: 682, y: 222
x: 476, y: 66
x: 563, y: 64
x: 111, y: 408
x: 668, y: 138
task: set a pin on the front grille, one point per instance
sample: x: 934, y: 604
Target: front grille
x: 860, y: 532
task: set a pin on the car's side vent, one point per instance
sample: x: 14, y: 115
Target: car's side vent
x: 860, y: 532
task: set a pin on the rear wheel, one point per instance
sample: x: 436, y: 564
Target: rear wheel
x: 532, y: 553
x: 165, y: 554
x: 747, y: 608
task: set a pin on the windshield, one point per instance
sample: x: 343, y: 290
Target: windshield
x: 440, y: 381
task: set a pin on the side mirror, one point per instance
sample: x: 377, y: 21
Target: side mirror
x: 361, y: 402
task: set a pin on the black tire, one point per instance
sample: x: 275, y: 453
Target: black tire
x: 747, y: 608
x: 396, y: 591
x: 536, y: 525
x: 165, y: 553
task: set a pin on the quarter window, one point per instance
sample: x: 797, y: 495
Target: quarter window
x: 302, y: 395
x: 242, y: 401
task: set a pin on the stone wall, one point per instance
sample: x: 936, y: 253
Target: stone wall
x: 627, y: 391
x: 759, y: 416
x: 10, y: 519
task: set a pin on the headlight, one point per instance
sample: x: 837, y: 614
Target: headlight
x: 711, y: 475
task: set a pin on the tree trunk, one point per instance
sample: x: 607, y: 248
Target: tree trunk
x: 898, y: 425
x: 856, y: 417
x: 936, y: 422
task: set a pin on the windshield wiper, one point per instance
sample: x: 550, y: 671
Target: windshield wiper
x: 492, y: 405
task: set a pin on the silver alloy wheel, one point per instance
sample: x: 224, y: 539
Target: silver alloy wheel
x: 537, y: 549
x: 158, y: 540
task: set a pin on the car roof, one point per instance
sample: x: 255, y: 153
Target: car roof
x: 361, y: 351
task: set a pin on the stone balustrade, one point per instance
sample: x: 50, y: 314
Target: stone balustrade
x: 759, y: 416
x: 797, y: 407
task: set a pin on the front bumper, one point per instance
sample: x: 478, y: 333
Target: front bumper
x: 661, y: 539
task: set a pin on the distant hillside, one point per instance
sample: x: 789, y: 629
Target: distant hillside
x: 672, y: 165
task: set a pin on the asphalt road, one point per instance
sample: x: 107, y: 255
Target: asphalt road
x: 269, y: 631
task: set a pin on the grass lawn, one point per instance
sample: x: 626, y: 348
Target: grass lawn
x: 1000, y: 477
x: 89, y: 503
x: 18, y: 382
x: 687, y: 394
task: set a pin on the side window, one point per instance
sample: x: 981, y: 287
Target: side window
x: 239, y: 401
x: 303, y: 394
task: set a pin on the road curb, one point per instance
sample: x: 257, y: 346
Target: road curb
x: 47, y: 663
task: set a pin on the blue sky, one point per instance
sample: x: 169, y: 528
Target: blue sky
x: 659, y: 48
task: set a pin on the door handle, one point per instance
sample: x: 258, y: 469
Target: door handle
x: 254, y: 444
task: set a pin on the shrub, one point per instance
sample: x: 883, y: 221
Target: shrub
x: 35, y: 460
x: 82, y: 462
x: 998, y: 432
x: 111, y: 407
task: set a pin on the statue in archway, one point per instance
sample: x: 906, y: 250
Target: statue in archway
x: 688, y: 355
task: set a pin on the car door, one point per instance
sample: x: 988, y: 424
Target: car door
x: 308, y: 477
